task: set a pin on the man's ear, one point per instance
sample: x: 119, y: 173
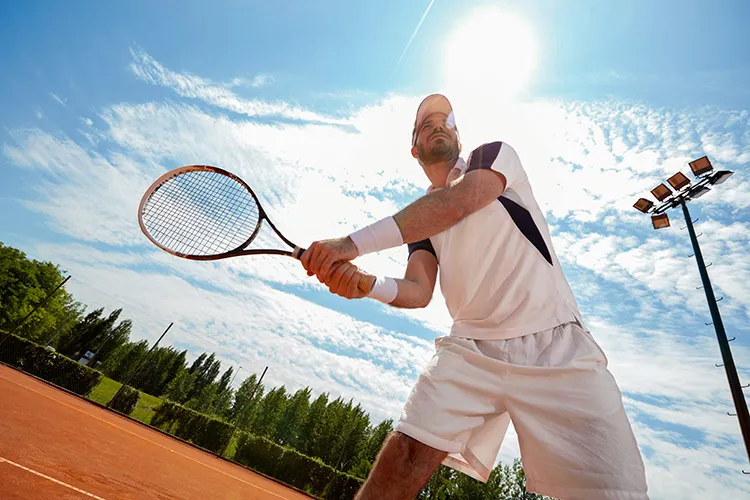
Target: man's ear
x: 414, y: 152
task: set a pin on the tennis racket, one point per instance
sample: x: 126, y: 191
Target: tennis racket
x: 200, y: 212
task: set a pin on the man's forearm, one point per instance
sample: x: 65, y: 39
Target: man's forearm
x: 411, y: 295
x: 430, y: 215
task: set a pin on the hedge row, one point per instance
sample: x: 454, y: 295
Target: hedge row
x: 126, y: 401
x: 209, y: 433
x: 48, y: 365
x: 294, y: 468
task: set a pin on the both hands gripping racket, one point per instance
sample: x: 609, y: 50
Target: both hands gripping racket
x: 200, y: 212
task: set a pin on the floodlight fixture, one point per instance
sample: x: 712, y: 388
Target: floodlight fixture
x: 720, y: 176
x: 644, y: 205
x: 660, y: 221
x: 698, y: 191
x: 678, y: 181
x: 701, y: 166
x: 661, y: 192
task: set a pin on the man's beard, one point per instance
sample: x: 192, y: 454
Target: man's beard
x: 442, y: 152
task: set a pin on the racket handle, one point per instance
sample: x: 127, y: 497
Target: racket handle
x: 297, y: 252
x: 366, y: 283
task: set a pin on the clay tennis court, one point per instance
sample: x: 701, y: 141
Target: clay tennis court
x: 55, y: 445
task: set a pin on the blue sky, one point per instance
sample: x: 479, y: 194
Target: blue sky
x: 306, y: 101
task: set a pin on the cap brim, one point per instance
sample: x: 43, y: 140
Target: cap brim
x: 433, y: 103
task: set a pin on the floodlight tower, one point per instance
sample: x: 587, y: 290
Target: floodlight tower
x: 684, y: 191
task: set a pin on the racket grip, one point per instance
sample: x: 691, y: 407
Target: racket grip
x: 297, y: 252
x: 365, y: 284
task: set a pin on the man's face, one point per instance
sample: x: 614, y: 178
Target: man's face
x: 436, y: 142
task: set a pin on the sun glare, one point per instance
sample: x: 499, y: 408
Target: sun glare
x: 490, y: 52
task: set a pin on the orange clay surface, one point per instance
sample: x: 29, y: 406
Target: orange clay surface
x: 56, y: 446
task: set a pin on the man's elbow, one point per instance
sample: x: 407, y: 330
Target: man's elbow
x: 424, y: 300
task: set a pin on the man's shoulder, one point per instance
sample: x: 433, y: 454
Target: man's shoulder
x: 490, y: 150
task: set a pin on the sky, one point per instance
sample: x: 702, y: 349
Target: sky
x: 312, y: 104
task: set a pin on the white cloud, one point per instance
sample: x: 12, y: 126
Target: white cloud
x: 191, y: 86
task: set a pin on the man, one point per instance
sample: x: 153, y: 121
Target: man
x: 517, y: 350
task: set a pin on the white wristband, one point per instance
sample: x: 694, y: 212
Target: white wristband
x: 379, y: 236
x: 384, y: 290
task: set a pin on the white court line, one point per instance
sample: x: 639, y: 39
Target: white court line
x: 50, y: 478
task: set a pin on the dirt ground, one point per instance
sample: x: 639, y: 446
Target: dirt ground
x: 54, y: 445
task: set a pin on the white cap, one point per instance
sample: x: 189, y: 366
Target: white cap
x: 433, y: 103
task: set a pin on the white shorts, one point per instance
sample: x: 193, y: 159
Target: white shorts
x: 575, y: 438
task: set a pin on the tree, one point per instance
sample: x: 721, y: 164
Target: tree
x: 178, y: 388
x: 24, y: 283
x: 246, y: 402
x: 506, y: 482
x: 271, y: 408
x: 198, y: 363
x: 119, y: 365
x: 206, y: 370
x: 353, y: 437
x: 289, y: 426
x: 313, y: 426
x: 224, y: 393
x: 96, y: 334
x: 155, y: 375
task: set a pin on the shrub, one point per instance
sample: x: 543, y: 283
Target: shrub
x: 294, y: 468
x: 126, y: 401
x: 48, y: 365
x: 209, y: 433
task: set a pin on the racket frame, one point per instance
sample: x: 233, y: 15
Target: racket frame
x: 240, y: 250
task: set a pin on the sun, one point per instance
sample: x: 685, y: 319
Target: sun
x: 490, y: 52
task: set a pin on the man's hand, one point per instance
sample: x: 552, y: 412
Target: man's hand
x: 321, y: 255
x: 344, y: 281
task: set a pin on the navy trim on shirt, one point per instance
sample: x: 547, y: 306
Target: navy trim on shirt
x: 484, y: 156
x: 525, y: 223
x: 422, y: 245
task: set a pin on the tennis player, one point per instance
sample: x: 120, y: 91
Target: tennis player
x: 518, y: 349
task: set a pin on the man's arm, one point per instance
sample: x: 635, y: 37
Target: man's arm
x: 429, y: 215
x: 443, y: 208
x: 414, y: 290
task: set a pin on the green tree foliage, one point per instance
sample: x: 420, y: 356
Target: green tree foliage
x: 506, y: 482
x: 155, y: 375
x: 24, y: 283
x: 271, y: 409
x: 206, y: 370
x: 178, y: 388
x: 119, y: 365
x: 95, y: 333
x: 313, y: 425
x: 290, y: 424
x: 224, y: 393
x: 246, y: 402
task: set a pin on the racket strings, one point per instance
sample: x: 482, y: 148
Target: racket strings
x: 200, y: 213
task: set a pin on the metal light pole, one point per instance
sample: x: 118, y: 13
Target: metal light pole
x: 684, y: 192
x: 726, y: 353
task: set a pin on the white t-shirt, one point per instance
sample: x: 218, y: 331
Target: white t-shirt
x: 499, y: 274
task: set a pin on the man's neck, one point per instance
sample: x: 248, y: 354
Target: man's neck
x: 438, y: 172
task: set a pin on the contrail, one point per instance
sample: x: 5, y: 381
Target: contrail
x: 419, y: 25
